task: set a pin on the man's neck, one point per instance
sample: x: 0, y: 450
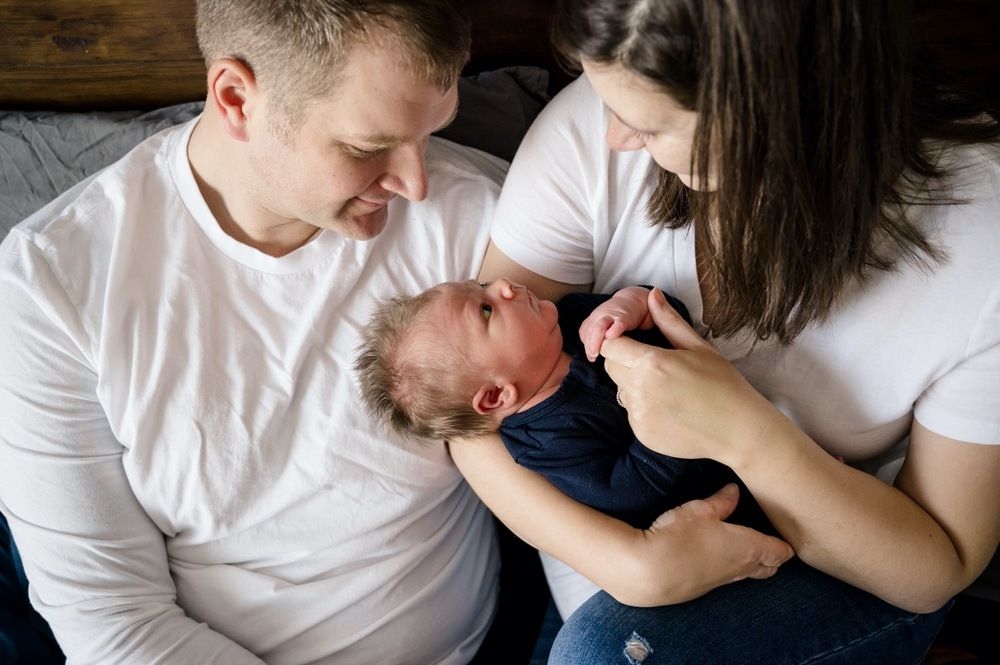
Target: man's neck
x: 207, y: 154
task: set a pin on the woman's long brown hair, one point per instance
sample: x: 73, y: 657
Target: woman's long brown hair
x: 818, y: 115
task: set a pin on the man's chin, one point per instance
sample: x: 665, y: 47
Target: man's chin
x: 363, y: 227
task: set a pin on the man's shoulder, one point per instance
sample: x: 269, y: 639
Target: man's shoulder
x: 449, y: 162
x: 96, y: 202
x: 112, y: 213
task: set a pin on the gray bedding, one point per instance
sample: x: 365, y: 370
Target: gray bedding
x: 42, y: 154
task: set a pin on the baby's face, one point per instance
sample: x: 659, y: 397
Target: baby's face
x: 503, y: 328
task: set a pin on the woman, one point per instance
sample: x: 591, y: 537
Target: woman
x: 831, y: 217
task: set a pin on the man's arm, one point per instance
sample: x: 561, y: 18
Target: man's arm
x: 96, y: 563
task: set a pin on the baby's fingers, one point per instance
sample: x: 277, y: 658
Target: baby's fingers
x: 615, y: 330
x: 592, y: 333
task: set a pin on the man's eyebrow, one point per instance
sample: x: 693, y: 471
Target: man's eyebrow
x: 387, y: 141
x: 380, y: 140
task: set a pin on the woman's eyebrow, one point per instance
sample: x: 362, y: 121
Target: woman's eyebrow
x: 628, y: 125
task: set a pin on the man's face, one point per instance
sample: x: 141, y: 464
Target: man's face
x: 505, y: 332
x: 351, y: 151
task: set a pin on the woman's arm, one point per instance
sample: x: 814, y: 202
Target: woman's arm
x: 687, y: 552
x: 914, y: 545
x: 497, y: 264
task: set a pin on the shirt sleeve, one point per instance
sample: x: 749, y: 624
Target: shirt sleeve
x: 96, y: 563
x: 964, y: 403
x: 550, y: 200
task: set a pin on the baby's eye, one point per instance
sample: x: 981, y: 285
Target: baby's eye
x: 487, y: 311
x: 483, y: 285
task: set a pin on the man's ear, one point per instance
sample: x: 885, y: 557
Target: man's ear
x: 495, y: 400
x: 233, y: 93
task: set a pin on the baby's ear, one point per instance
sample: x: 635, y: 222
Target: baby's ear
x: 495, y: 400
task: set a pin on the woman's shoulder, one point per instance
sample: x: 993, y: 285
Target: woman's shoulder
x: 576, y: 110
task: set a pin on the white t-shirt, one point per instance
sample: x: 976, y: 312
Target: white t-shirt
x: 183, y: 452
x: 906, y: 344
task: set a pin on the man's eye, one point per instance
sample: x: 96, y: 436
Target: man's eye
x: 362, y: 153
x: 487, y: 311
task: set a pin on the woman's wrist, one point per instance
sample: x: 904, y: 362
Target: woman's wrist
x: 768, y: 443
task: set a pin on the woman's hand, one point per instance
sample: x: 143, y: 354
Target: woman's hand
x: 688, y: 401
x: 710, y: 551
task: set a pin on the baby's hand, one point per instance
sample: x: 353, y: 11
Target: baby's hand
x: 626, y: 310
x: 597, y: 328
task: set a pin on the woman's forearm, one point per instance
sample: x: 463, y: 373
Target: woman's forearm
x: 597, y: 546
x: 877, y: 537
x: 686, y: 553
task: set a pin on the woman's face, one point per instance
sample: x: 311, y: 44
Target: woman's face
x: 645, y: 117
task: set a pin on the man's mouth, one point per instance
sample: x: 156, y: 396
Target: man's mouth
x: 374, y: 203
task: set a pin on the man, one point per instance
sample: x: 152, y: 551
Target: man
x: 184, y: 464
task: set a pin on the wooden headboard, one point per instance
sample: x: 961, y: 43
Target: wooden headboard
x: 116, y: 54
x: 112, y: 54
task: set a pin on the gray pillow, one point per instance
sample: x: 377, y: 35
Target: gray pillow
x: 496, y: 108
x: 44, y: 153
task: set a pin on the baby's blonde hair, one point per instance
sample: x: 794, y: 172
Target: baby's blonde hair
x: 418, y: 384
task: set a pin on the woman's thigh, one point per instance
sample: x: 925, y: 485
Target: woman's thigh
x: 798, y: 616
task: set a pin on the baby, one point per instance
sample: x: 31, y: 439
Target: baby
x: 465, y: 358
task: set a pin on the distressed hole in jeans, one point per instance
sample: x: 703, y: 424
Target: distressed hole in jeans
x: 636, y: 649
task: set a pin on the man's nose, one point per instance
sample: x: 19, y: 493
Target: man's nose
x: 406, y: 172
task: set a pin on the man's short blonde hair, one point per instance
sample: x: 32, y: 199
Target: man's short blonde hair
x: 296, y: 47
x: 419, y: 384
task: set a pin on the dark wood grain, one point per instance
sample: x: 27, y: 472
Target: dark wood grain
x: 100, y: 54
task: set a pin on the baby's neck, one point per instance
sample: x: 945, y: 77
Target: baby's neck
x: 551, y: 384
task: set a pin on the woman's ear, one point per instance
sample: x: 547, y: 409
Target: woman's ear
x: 498, y: 400
x: 232, y: 93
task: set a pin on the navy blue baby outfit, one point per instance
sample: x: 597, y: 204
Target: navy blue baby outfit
x: 580, y: 439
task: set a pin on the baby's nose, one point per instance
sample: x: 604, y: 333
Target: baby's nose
x: 513, y: 289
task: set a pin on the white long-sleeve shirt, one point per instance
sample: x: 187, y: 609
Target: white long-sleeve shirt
x: 183, y: 458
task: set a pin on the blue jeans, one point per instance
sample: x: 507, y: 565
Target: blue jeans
x: 25, y: 638
x: 798, y: 616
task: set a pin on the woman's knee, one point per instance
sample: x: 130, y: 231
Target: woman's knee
x: 602, y: 631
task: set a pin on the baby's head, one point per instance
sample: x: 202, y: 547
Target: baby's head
x: 456, y: 359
